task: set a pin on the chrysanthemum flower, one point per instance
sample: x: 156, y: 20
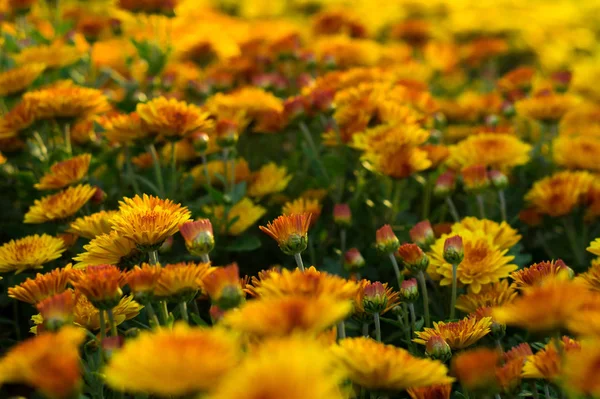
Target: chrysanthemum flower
x: 591, y: 277
x: 30, y: 252
x: 124, y: 128
x: 431, y: 392
x: 173, y: 119
x: 493, y: 294
x: 301, y: 206
x: 111, y: 249
x: 142, y: 280
x: 49, y: 362
x: 392, y: 299
x: 61, y: 205
x: 291, y: 368
x: 181, y: 281
x: 559, y: 194
x: 101, y: 284
x: 223, y: 286
x: 499, y: 151
x: 518, y: 79
x: 501, y: 234
x: 561, y: 300
x: 216, y: 168
x: 476, y: 368
x: 148, y: 220
x: 594, y: 247
x: 545, y: 106
x: 65, y: 173
x: 42, y: 286
x: 55, y: 55
x: 547, y: 363
x: 537, y: 273
x: 245, y: 213
x: 586, y: 321
x: 483, y: 262
x: 271, y: 317
x: 66, y: 102
x: 290, y: 232
x: 268, y: 180
x: 57, y: 310
x: 374, y: 365
x: 580, y: 372
x: 310, y: 283
x: 177, y: 362
x: 93, y: 225
x: 578, y: 152
x: 475, y: 178
x: 18, y: 79
x: 458, y: 334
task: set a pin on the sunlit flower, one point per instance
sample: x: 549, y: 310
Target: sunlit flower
x: 431, y: 392
x: 290, y: 232
x: 124, y: 128
x: 391, y: 299
x: 499, y: 151
x: 111, y: 249
x: 65, y: 173
x: 494, y: 294
x: 578, y: 152
x: 270, y: 317
x: 519, y: 79
x: 374, y: 365
x: 67, y: 101
x: 594, y: 247
x: 49, y: 362
x: 476, y: 369
x: 171, y: 118
x: 268, y: 180
x: 198, y: 236
x: 483, y: 262
x: 181, y: 281
x: 167, y: 362
x: 55, y: 55
x: 559, y: 194
x: 301, y: 206
x: 18, y: 79
x: 291, y: 368
x: 42, y: 286
x: 30, y: 252
x: 93, y: 225
x: 580, y: 371
x: 59, y: 206
x: 223, y: 286
x: 501, y: 234
x: 545, y: 106
x: 537, y: 273
x: 216, y: 168
x: 240, y: 218
x: 101, y: 284
x: 546, y: 363
x: 142, y: 280
x: 148, y: 220
x: 591, y: 277
x: 458, y: 334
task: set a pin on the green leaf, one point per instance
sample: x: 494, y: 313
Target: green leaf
x: 419, y: 324
x: 198, y: 320
x: 244, y: 243
x: 391, y: 321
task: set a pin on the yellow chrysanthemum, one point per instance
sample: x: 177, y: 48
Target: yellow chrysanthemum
x: 594, y: 247
x: 217, y: 167
x: 374, y: 365
x: 173, y: 119
x: 55, y: 55
x: 177, y: 362
x: 268, y: 180
x: 245, y: 212
x: 61, y: 205
x: 42, y: 286
x: 303, y: 206
x: 547, y: 107
x: 271, y: 317
x: 580, y: 152
x: 591, y: 277
x: 181, y: 280
x: 498, y: 151
x: 124, y: 128
x: 501, y: 234
x: 483, y: 262
x: 148, y: 220
x: 109, y: 249
x: 93, y: 225
x: 30, y: 252
x: 538, y: 273
x: 559, y: 194
x: 580, y: 371
x: 65, y: 173
x: 546, y: 363
x: 66, y: 102
x: 457, y: 334
x: 50, y: 362
x: 311, y: 283
x: 291, y: 368
x: 494, y: 294
x: 18, y: 79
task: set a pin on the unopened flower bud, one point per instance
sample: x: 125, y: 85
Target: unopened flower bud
x: 57, y: 310
x: 445, y: 184
x: 353, y: 260
x: 413, y: 257
x: 227, y: 133
x: 342, y: 215
x: 475, y: 178
x: 98, y: 197
x: 166, y: 246
x: 200, y: 142
x: 375, y: 300
x: 112, y: 344
x: 498, y: 179
x: 198, y: 235
x: 422, y: 234
x: 386, y: 240
x: 409, y: 292
x: 294, y: 107
x: 216, y: 313
x: 224, y: 288
x: 437, y: 348
x: 453, y: 250
x: 530, y: 217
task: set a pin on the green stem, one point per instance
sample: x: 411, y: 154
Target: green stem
x: 174, y: 184
x: 68, y: 146
x: 480, y: 205
x: 111, y: 321
x: 184, y: 312
x: 102, y: 325
x: 205, y: 169
x: 453, y: 299
x: 164, y: 312
x: 299, y: 263
x: 421, y: 278
x: 499, y: 346
x: 341, y: 330
x: 427, y: 188
x: 572, y: 237
x: 225, y: 155
x: 547, y: 391
x: 129, y: 167
x: 502, y: 199
x: 153, y: 257
x: 232, y: 174
x: 406, y: 325
x: 195, y: 308
x: 365, y: 329
x: 534, y: 391
x: 342, y: 244
x: 396, y: 197
x: 157, y: 169
x: 152, y: 318
x: 452, y: 209
x: 399, y: 276
x: 413, y: 318
x: 377, y: 327
x: 313, y: 147
x: 205, y: 258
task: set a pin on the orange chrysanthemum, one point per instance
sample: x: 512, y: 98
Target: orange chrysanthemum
x: 537, y: 273
x: 431, y: 392
x: 124, y: 128
x: 181, y: 280
x: 55, y: 55
x: 66, y: 102
x: 579, y: 152
x: 458, y: 334
x: 498, y: 151
x: 580, y: 372
x: 290, y: 232
x: 57, y: 310
x: 65, y: 173
x: 42, y: 286
x: 61, y: 205
x: 546, y: 363
x: 494, y: 294
x: 303, y: 206
x: 30, y: 252
x: 93, y: 225
x: 591, y: 277
x: 223, y: 285
x: 476, y: 368
x: 173, y: 119
x: 50, y: 362
x: 101, y: 284
x: 545, y: 106
x: 18, y: 79
x: 142, y: 280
